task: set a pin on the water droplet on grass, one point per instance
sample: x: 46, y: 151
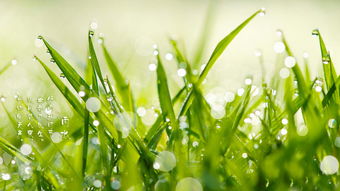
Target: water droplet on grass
x: 329, y: 165
x: 181, y: 72
x: 279, y: 47
x: 189, y: 184
x: 93, y: 104
x: 284, y: 73
x: 290, y: 61
x: 56, y: 137
x: 332, y: 123
x: 26, y: 149
x: 165, y: 161
x: 262, y: 11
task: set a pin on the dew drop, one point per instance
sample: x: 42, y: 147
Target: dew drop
x: 152, y: 67
x: 181, y: 72
x: 96, y: 123
x: 329, y: 165
x: 189, y: 184
x: 93, y: 25
x: 248, y: 81
x: 165, y: 161
x: 284, y: 121
x: 97, y: 183
x: 56, y: 137
x: 26, y: 149
x: 141, y: 111
x: 284, y: 73
x: 279, y: 47
x: 332, y: 123
x: 169, y: 56
x: 290, y: 61
x: 5, y: 176
x: 93, y: 104
x: 315, y: 32
x: 115, y: 184
x: 14, y: 62
x: 262, y: 12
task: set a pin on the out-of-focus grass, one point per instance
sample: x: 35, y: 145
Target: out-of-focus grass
x: 279, y: 135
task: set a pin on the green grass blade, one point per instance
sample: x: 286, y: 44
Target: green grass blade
x: 222, y: 45
x: 122, y: 85
x: 71, y: 98
x: 70, y: 73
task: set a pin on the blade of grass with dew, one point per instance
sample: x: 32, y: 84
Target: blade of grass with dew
x: 72, y: 76
x: 123, y: 86
x: 165, y: 98
x: 219, y: 49
x: 327, y: 64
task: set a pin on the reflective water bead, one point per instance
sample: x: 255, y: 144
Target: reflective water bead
x: 26, y: 149
x: 93, y: 104
x: 181, y: 72
x: 56, y: 137
x: 284, y: 73
x: 5, y: 176
x: 279, y: 47
x: 329, y: 165
x: 14, y: 62
x: 290, y: 61
x: 165, y: 161
x: 332, y: 123
x: 189, y: 184
x: 152, y: 67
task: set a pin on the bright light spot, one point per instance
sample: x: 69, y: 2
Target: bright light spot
x: 258, y: 53
x: 284, y: 121
x: 165, y: 161
x: 331, y: 123
x: 284, y: 131
x: 6, y: 176
x: 240, y: 92
x: 263, y: 12
x: 155, y: 52
x: 302, y: 130
x: 279, y: 47
x: 189, y: 184
x: 305, y: 55
x: 156, y: 165
x: 318, y: 88
x: 229, y: 96
x: 284, y: 73
x: 244, y: 155
x: 56, y: 137
x: 248, y: 81
x: 290, y: 61
x: 115, y: 184
x: 218, y: 113
x: 97, y: 183
x: 96, y: 123
x: 81, y: 93
x: 93, y: 104
x: 169, y: 56
x: 329, y: 165
x: 26, y: 149
x: 14, y: 62
x: 38, y: 43
x: 93, y: 25
x: 141, y: 111
x: 195, y: 144
x: 181, y: 72
x: 152, y: 67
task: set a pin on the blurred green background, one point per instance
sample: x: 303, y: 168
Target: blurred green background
x: 131, y: 27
